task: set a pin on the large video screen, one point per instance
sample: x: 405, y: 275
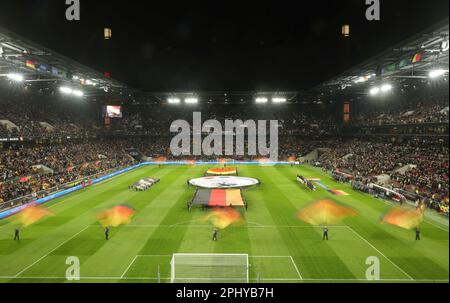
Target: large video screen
x: 114, y: 111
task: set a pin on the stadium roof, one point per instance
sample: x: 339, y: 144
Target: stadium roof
x: 408, y: 61
x: 39, y: 64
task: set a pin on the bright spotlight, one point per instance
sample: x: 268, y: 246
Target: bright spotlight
x: 436, y: 73
x: 386, y: 87
x: 77, y: 93
x: 191, y: 100
x: 65, y: 90
x: 16, y: 77
x: 279, y: 100
x: 261, y: 100
x: 173, y: 100
x: 361, y: 80
x: 374, y: 90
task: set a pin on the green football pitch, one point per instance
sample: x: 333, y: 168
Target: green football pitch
x: 280, y: 248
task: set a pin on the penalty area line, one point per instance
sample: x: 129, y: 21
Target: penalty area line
x: 296, y: 268
x: 38, y: 260
x: 398, y: 267
x: 129, y: 266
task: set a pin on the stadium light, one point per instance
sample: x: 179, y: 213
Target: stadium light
x: 436, y: 73
x: 69, y: 91
x: 191, y: 100
x: 65, y: 90
x: 77, y: 93
x: 361, y: 80
x: 261, y: 100
x: 374, y: 90
x: 386, y: 87
x: 15, y: 77
x: 90, y: 82
x: 173, y: 100
x: 279, y: 100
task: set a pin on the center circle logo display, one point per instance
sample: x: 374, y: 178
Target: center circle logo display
x: 223, y: 182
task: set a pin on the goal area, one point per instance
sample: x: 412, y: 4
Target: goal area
x: 209, y: 268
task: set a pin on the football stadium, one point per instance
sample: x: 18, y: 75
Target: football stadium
x: 126, y: 160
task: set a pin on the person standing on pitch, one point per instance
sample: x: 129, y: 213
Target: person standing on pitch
x: 215, y: 233
x: 107, y: 233
x: 17, y: 234
x: 417, y: 234
x: 325, y: 233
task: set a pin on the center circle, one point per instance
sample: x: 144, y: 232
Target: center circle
x: 223, y: 182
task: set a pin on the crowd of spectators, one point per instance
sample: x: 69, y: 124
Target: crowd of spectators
x: 430, y: 110
x: 156, y: 120
x: 146, y: 129
x: 427, y: 164
x: 29, y: 170
x: 30, y: 116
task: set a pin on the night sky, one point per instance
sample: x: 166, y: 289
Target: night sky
x: 220, y: 45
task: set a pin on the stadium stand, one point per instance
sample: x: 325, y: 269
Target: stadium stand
x: 48, y: 142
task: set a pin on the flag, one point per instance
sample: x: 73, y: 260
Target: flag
x: 30, y: 64
x: 404, y: 63
x: 24, y: 179
x: 222, y: 171
x: 55, y: 71
x: 416, y: 58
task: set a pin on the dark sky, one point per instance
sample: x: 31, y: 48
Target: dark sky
x: 219, y: 45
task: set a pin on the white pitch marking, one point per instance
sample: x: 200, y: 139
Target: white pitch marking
x: 253, y: 279
x: 296, y: 268
x: 398, y: 267
x: 128, y: 267
x: 64, y: 242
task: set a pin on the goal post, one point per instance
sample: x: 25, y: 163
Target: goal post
x: 212, y: 268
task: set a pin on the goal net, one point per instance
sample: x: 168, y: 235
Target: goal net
x: 213, y: 268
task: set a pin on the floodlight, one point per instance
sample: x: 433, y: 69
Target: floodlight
x: 15, y: 77
x: 173, y: 100
x: 191, y: 100
x: 386, y: 87
x: 374, y: 90
x: 261, y: 100
x: 436, y: 73
x: 90, y: 82
x: 65, y: 90
x: 279, y: 100
x: 77, y: 93
x: 361, y: 79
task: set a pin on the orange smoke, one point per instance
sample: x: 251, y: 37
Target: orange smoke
x: 31, y: 214
x: 403, y: 218
x: 223, y: 217
x: 325, y: 212
x: 118, y: 215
